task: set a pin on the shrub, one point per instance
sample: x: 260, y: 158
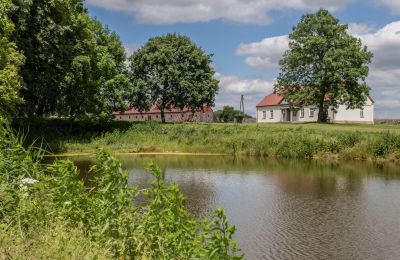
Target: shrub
x: 35, y: 196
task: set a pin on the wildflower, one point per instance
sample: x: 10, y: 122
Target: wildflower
x: 28, y: 181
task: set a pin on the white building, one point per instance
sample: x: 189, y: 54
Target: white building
x: 273, y: 109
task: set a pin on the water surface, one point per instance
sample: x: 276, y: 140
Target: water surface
x: 290, y: 209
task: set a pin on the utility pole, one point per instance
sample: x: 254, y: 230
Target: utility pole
x: 242, y: 104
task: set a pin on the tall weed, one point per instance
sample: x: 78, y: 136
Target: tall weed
x: 35, y: 196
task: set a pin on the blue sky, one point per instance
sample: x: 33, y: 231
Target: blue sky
x: 248, y: 37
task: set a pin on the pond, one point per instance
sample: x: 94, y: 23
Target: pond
x: 287, y: 209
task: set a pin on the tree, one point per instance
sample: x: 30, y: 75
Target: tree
x: 10, y: 60
x: 171, y: 71
x: 74, y: 66
x: 324, y: 66
x: 229, y: 114
x: 97, y: 83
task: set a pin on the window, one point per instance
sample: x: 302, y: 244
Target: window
x: 170, y: 116
x: 302, y: 113
x: 311, y: 112
x: 264, y: 115
x: 362, y: 113
x: 271, y: 114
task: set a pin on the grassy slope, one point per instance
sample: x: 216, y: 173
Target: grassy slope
x: 364, y: 142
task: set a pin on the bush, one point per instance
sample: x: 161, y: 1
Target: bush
x: 35, y: 196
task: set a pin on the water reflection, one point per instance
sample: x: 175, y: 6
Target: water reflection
x: 286, y: 209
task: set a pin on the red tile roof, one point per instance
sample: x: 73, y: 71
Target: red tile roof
x: 154, y: 110
x: 271, y: 100
x: 275, y: 99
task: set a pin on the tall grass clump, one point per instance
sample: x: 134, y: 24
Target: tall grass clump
x: 108, y: 219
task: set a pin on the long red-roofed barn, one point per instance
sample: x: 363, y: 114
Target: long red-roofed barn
x: 273, y: 108
x: 171, y: 115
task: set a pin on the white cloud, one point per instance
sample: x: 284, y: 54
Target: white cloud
x: 130, y: 48
x: 394, y: 5
x: 232, y: 87
x: 265, y: 54
x: 186, y: 11
x: 384, y: 76
x: 360, y: 28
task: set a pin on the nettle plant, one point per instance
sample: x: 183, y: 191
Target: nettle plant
x: 33, y: 196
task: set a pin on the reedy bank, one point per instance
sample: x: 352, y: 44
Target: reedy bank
x: 39, y: 201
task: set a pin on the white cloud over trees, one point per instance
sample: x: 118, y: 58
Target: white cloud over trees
x: 189, y: 11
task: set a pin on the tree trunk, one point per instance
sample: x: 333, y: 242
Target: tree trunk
x: 162, y: 115
x: 322, y: 111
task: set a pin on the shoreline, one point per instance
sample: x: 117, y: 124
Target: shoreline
x: 137, y: 154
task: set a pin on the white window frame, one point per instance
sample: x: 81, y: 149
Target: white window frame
x: 271, y: 114
x: 302, y: 113
x: 312, y: 111
x: 362, y: 113
x: 264, y: 114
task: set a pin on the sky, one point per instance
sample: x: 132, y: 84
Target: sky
x: 248, y: 37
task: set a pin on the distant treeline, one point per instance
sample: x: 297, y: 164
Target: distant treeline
x: 388, y: 121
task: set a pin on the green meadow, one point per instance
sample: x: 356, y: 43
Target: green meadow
x: 305, y: 141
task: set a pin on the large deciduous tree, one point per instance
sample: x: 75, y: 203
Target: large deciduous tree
x: 74, y: 66
x: 171, y: 71
x: 10, y: 60
x: 324, y: 66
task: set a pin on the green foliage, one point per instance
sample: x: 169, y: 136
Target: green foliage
x: 74, y: 66
x: 359, y: 142
x: 324, y: 66
x: 109, y: 217
x: 229, y: 114
x: 10, y: 60
x: 171, y: 71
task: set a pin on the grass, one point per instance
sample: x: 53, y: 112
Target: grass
x: 56, y: 241
x: 327, y: 141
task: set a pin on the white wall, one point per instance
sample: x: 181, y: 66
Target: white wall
x: 307, y: 114
x: 277, y: 114
x: 344, y: 115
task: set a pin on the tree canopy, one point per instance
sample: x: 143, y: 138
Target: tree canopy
x: 74, y: 66
x: 171, y: 71
x: 229, y: 114
x: 10, y: 60
x: 324, y: 66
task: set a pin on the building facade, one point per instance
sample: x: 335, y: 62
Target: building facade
x: 171, y: 115
x: 273, y: 109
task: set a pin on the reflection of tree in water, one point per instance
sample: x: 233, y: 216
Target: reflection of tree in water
x: 320, y: 211
x: 321, y: 178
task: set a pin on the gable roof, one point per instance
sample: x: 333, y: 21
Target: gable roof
x: 274, y: 99
x: 271, y: 100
